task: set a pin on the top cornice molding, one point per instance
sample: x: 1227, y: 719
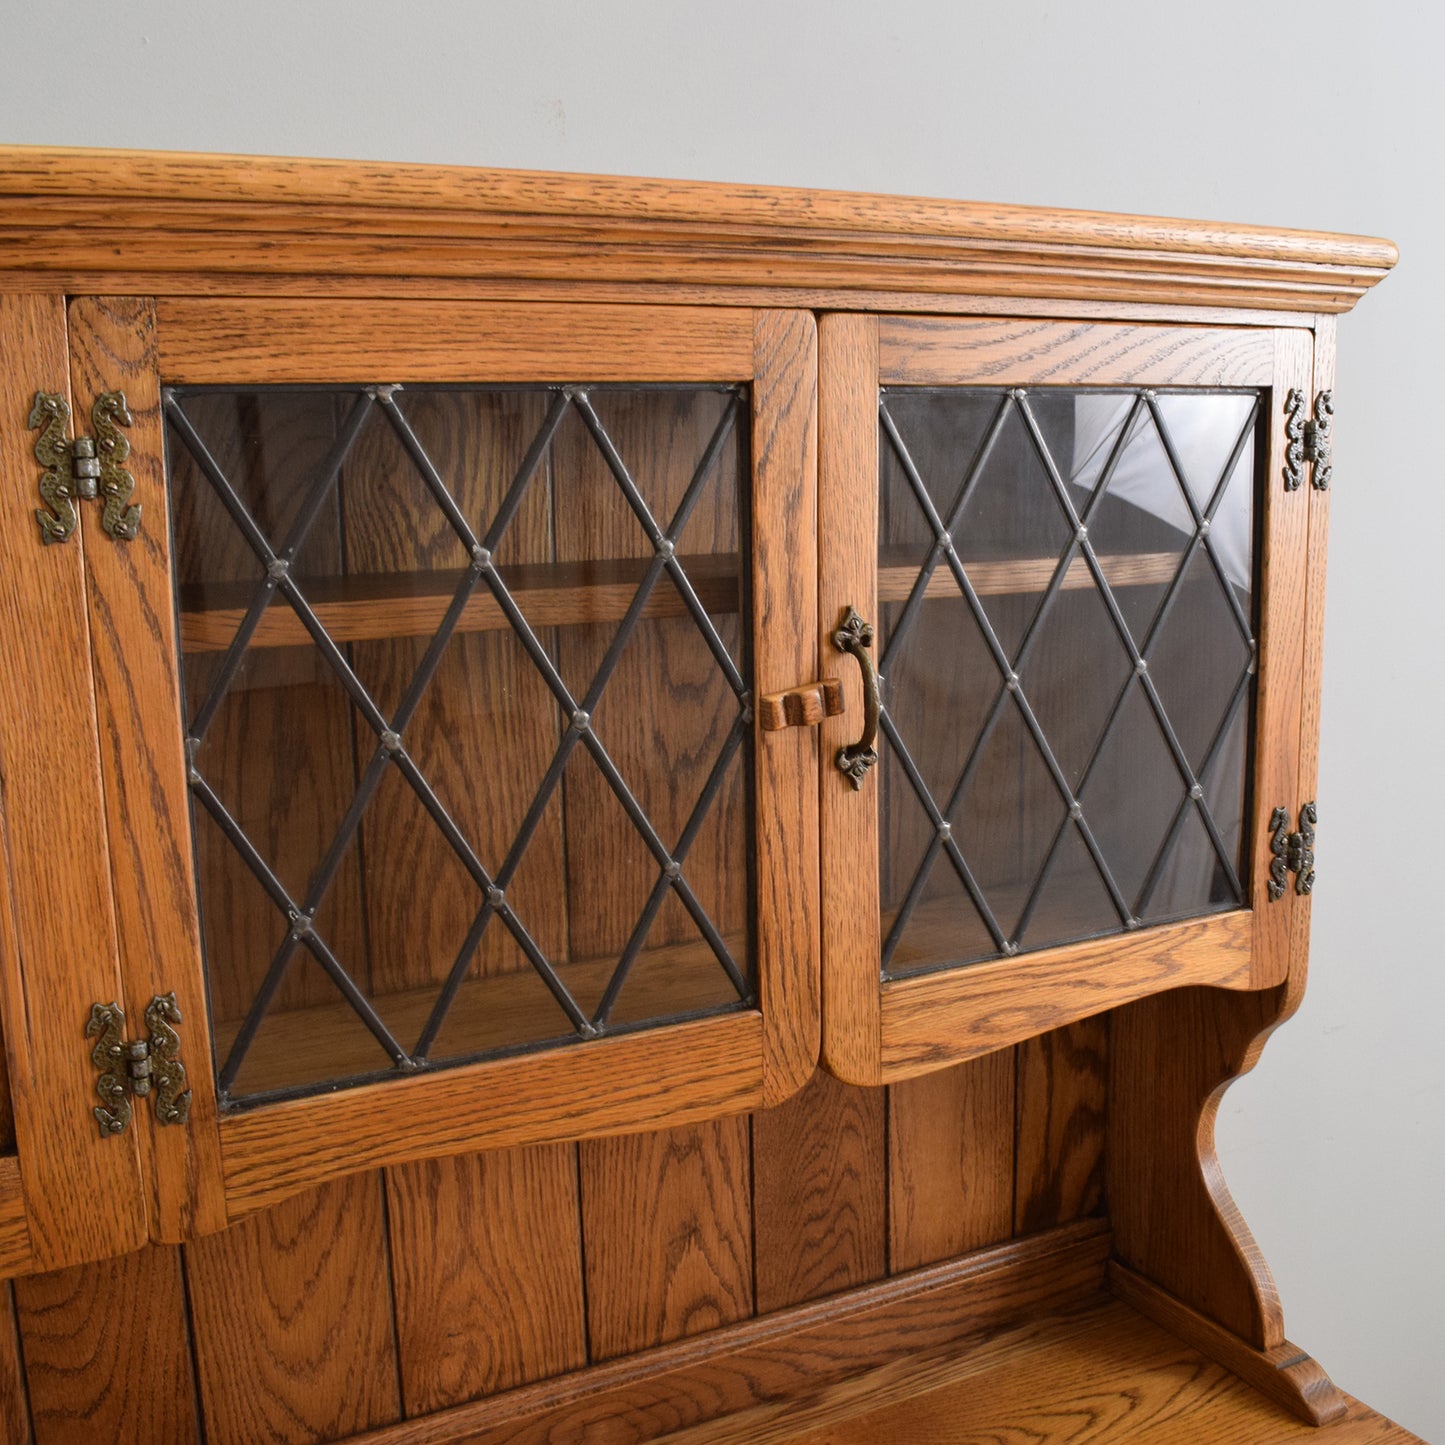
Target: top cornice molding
x: 126, y: 220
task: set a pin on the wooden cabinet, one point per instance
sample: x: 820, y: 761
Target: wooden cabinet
x: 1089, y: 585
x: 457, y: 664
x: 551, y: 660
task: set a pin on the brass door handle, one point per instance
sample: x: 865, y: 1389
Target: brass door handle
x: 855, y: 637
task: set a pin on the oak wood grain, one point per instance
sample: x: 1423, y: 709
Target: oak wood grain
x: 292, y: 1320
x: 800, y: 707
x: 495, y: 1012
x: 14, y: 1399
x: 820, y: 1210
x: 1284, y: 1372
x: 143, y: 765
x: 785, y: 619
x: 1306, y: 788
x: 487, y: 1273
x: 917, y: 350
x: 1102, y: 1374
x: 847, y: 577
x: 772, y: 1361
x: 1062, y: 1087
x: 412, y: 603
x: 951, y: 1161
x: 1279, y: 703
x: 667, y: 1235
x: 260, y: 218
x: 713, y: 1066
x: 84, y: 1193
x: 939, y: 1018
x: 317, y: 342
x: 1170, y: 1058
x: 574, y: 290
x: 97, y: 1370
x: 15, y: 1252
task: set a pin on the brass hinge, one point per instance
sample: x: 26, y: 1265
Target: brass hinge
x: 144, y: 1067
x: 1308, y: 440
x: 1292, y: 852
x: 83, y: 469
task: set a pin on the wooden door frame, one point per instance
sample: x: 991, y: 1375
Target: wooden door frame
x: 71, y: 1192
x: 877, y: 1033
x: 222, y: 1167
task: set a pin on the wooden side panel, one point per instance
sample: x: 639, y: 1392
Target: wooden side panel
x: 820, y: 1221
x: 1170, y: 1059
x: 293, y: 1320
x: 1061, y: 1085
x: 14, y: 1401
x: 106, y: 1351
x: 1281, y: 666
x: 951, y: 1161
x: 667, y: 1235
x: 83, y: 1192
x: 785, y: 616
x: 847, y: 577
x: 1314, y: 635
x: 133, y: 642
x: 487, y: 1271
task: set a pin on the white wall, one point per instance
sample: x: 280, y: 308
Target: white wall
x: 1324, y: 115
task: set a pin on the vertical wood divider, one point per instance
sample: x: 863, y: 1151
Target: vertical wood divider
x: 84, y: 1194
x: 785, y: 624
x: 1281, y: 660
x: 143, y: 764
x: 847, y: 577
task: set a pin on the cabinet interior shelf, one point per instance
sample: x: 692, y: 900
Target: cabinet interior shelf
x: 495, y: 1013
x: 371, y: 607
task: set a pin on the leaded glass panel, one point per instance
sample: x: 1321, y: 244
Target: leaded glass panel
x: 466, y: 683
x: 1067, y: 652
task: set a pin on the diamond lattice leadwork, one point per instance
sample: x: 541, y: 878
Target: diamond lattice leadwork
x: 278, y: 545
x: 1007, y: 502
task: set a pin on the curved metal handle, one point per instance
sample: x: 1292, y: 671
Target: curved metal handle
x: 855, y: 636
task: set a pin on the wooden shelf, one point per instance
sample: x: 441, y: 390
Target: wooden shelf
x: 412, y: 604
x: 325, y: 1042
x: 1102, y: 1375
x: 570, y: 594
x: 1008, y: 577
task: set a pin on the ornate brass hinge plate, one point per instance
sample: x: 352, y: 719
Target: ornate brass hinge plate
x: 1308, y: 440
x: 84, y: 469
x: 1292, y: 852
x: 146, y: 1068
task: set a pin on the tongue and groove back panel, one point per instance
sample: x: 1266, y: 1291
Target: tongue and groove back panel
x: 396, y: 1293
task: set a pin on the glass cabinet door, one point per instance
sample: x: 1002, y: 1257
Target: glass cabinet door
x: 467, y: 603
x: 1064, y: 611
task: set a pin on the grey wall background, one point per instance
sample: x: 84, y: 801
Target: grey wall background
x: 1326, y: 116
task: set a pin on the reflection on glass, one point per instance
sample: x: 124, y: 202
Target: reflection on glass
x: 1066, y: 589
x: 465, y: 673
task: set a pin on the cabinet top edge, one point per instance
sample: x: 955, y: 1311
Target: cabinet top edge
x: 223, y: 214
